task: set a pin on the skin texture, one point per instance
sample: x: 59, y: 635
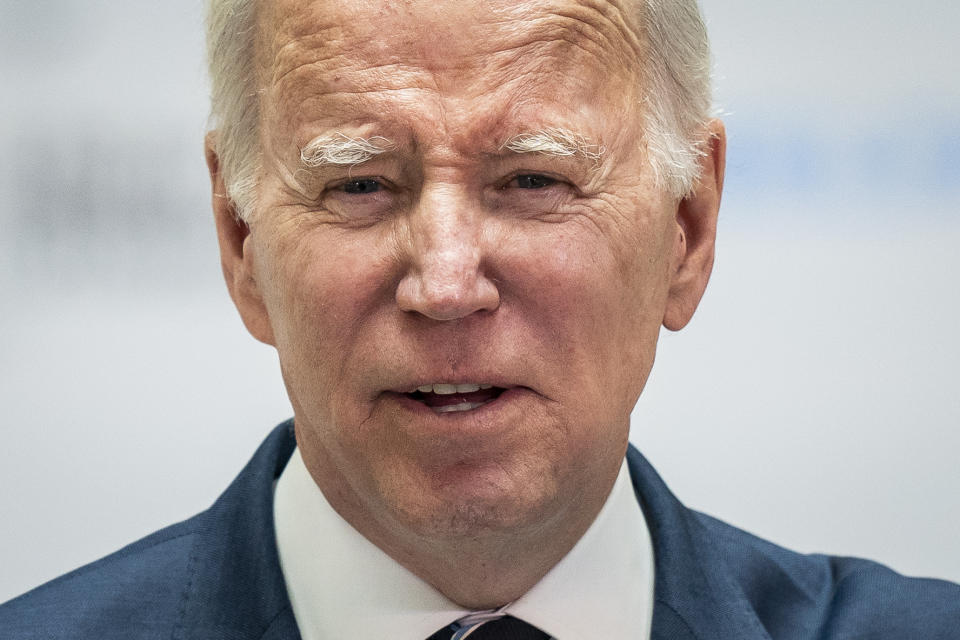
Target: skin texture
x: 453, y: 270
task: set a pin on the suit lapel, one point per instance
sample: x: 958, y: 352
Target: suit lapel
x: 695, y: 595
x: 237, y: 591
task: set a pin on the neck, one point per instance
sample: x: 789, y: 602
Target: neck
x: 480, y: 567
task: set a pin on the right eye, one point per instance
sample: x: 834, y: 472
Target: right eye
x: 533, y: 181
x: 362, y: 199
x: 361, y: 186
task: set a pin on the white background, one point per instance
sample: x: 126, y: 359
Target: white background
x: 812, y: 401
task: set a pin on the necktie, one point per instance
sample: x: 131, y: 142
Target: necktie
x: 489, y: 626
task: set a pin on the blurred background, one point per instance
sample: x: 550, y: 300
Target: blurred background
x: 812, y: 401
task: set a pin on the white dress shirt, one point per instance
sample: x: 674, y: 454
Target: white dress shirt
x: 343, y: 586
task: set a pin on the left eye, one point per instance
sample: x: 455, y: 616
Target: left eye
x: 361, y: 186
x: 533, y: 181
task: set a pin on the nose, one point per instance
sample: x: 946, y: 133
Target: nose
x: 445, y: 277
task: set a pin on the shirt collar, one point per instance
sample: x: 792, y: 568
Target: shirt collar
x: 343, y: 586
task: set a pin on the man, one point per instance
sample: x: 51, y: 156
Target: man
x: 462, y: 225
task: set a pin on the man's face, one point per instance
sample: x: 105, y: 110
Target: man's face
x: 450, y: 259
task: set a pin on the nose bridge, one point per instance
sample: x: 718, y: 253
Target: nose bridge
x: 445, y: 278
x: 449, y: 240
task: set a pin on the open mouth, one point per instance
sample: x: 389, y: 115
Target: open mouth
x: 449, y: 398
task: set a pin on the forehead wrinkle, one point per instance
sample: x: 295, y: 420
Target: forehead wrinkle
x: 283, y: 34
x: 320, y: 46
x: 303, y: 114
x: 599, y: 27
x: 326, y: 77
x: 607, y: 17
x: 336, y: 47
x: 299, y: 52
x: 545, y: 40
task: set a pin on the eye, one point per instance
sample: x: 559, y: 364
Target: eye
x: 361, y: 186
x: 532, y: 181
x: 362, y: 199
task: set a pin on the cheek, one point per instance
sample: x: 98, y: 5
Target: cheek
x: 324, y: 288
x: 597, y: 303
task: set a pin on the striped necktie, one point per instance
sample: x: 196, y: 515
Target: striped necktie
x: 489, y: 625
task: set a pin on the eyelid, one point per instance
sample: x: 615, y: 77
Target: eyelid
x: 513, y: 175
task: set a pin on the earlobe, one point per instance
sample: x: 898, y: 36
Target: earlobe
x: 696, y: 229
x: 236, y: 252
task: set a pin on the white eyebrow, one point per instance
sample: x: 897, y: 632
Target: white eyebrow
x: 340, y: 149
x: 554, y: 141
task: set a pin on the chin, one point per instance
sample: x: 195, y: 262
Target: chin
x: 472, y: 500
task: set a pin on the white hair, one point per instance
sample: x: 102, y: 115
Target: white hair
x: 234, y: 98
x: 677, y: 92
x: 554, y: 141
x: 340, y: 149
x: 675, y: 77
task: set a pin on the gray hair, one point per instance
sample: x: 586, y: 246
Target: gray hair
x: 676, y: 75
x: 340, y: 149
x: 234, y: 98
x: 337, y: 148
x: 554, y: 141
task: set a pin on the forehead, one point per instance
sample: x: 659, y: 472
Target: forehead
x: 337, y: 62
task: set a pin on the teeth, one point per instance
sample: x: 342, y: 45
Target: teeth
x: 463, y: 406
x: 444, y: 389
x: 447, y: 389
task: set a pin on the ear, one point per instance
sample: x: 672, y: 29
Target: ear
x: 236, y: 252
x: 697, y: 233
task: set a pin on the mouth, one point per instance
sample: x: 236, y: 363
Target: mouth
x: 445, y: 397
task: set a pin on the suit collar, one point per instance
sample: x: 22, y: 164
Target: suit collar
x: 695, y: 595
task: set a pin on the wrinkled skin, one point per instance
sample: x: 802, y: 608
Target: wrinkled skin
x: 456, y: 268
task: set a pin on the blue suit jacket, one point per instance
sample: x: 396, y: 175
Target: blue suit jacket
x: 217, y: 577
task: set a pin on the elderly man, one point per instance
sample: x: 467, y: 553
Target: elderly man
x: 462, y: 225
